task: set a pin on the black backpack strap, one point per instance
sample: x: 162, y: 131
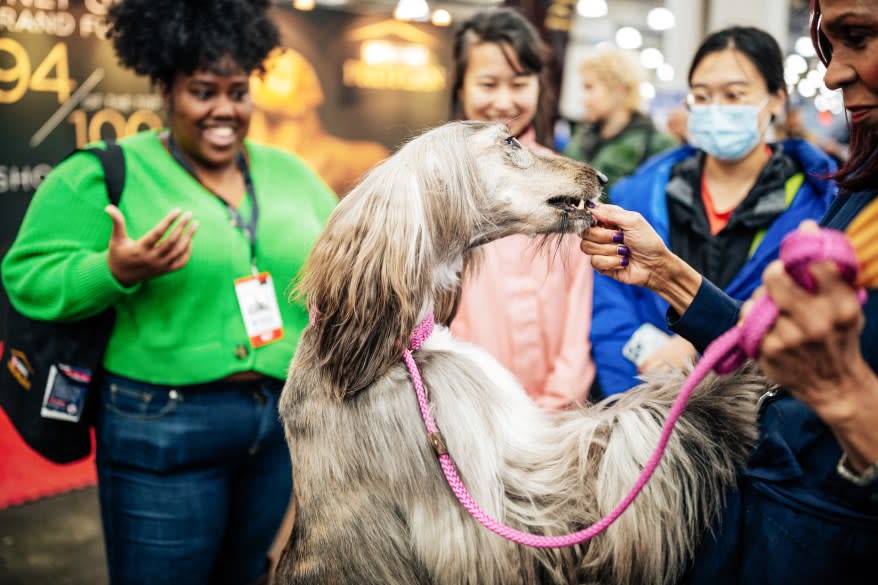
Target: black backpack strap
x: 113, y: 162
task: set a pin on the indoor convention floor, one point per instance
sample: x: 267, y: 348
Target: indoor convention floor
x: 55, y: 540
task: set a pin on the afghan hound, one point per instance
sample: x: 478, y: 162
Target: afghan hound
x: 373, y: 505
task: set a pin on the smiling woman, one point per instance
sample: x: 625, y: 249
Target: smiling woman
x: 209, y: 114
x: 210, y: 111
x: 194, y: 473
x: 540, y: 331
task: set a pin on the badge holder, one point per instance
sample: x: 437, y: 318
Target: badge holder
x: 66, y: 389
x: 259, y: 308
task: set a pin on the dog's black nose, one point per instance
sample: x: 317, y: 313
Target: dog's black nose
x: 602, y: 178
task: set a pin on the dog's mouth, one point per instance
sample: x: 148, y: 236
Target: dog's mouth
x: 573, y: 206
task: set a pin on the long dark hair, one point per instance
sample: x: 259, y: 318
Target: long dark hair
x: 505, y: 26
x: 757, y: 45
x: 859, y: 171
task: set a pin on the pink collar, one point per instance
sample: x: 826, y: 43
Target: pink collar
x: 422, y: 332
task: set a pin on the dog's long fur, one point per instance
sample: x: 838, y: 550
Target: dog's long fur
x: 373, y: 505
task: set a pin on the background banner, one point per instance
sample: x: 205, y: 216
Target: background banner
x: 60, y: 88
x: 344, y: 104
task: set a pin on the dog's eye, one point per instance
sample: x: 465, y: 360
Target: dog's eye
x: 513, y: 142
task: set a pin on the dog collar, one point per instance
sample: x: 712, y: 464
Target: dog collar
x: 422, y: 332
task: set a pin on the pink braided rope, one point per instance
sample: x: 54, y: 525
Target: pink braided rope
x: 724, y: 355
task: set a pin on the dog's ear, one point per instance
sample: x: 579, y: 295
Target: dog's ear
x: 371, y: 273
x: 368, y: 279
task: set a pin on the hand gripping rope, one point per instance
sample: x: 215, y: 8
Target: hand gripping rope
x: 727, y: 353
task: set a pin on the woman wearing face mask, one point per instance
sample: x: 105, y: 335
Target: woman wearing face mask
x: 722, y: 204
x: 529, y: 306
x: 194, y: 473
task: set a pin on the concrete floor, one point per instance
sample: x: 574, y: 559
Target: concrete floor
x: 58, y: 541
x: 53, y: 541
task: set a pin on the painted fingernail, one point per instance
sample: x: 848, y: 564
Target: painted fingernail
x: 618, y: 238
x: 623, y: 261
x: 590, y: 204
x: 623, y: 251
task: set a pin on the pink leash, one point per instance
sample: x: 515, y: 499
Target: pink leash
x: 727, y: 353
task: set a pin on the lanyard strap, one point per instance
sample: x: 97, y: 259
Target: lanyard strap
x: 248, y: 228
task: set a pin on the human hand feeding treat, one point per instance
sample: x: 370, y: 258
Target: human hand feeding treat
x: 623, y: 246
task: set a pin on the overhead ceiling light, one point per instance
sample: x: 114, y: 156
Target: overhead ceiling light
x: 441, y: 17
x: 665, y: 72
x: 412, y: 10
x: 806, y: 89
x: 815, y: 77
x: 660, y: 18
x: 591, y: 8
x: 629, y: 37
x: 790, y: 77
x: 651, y: 58
x: 303, y: 4
x: 796, y: 63
x: 805, y: 47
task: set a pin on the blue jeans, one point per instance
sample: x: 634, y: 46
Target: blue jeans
x: 193, y: 481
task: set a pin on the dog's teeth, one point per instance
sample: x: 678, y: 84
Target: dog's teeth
x: 581, y: 204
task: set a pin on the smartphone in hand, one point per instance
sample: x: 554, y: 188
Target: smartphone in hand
x: 643, y: 342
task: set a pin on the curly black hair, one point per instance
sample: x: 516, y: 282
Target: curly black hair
x: 160, y: 38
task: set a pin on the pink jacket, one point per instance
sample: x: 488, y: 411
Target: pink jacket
x: 532, y: 311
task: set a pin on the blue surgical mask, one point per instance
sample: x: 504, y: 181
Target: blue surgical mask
x: 726, y: 132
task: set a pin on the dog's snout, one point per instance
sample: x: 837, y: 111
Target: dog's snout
x: 602, y: 178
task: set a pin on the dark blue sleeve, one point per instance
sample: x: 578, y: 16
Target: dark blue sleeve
x: 711, y: 314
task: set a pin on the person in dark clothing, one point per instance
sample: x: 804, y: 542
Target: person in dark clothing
x: 805, y: 510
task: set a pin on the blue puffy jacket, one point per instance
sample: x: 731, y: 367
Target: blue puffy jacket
x: 619, y: 309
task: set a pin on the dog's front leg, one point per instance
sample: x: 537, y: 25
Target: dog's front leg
x: 334, y: 542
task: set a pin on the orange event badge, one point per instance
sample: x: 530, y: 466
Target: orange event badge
x: 259, y: 309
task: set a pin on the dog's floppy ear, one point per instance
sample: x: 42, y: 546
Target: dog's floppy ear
x: 368, y: 278
x: 371, y: 273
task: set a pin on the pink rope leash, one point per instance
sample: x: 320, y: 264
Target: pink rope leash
x: 724, y: 355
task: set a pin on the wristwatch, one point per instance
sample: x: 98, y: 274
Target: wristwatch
x: 867, y: 477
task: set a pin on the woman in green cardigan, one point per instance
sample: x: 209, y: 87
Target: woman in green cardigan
x: 194, y: 472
